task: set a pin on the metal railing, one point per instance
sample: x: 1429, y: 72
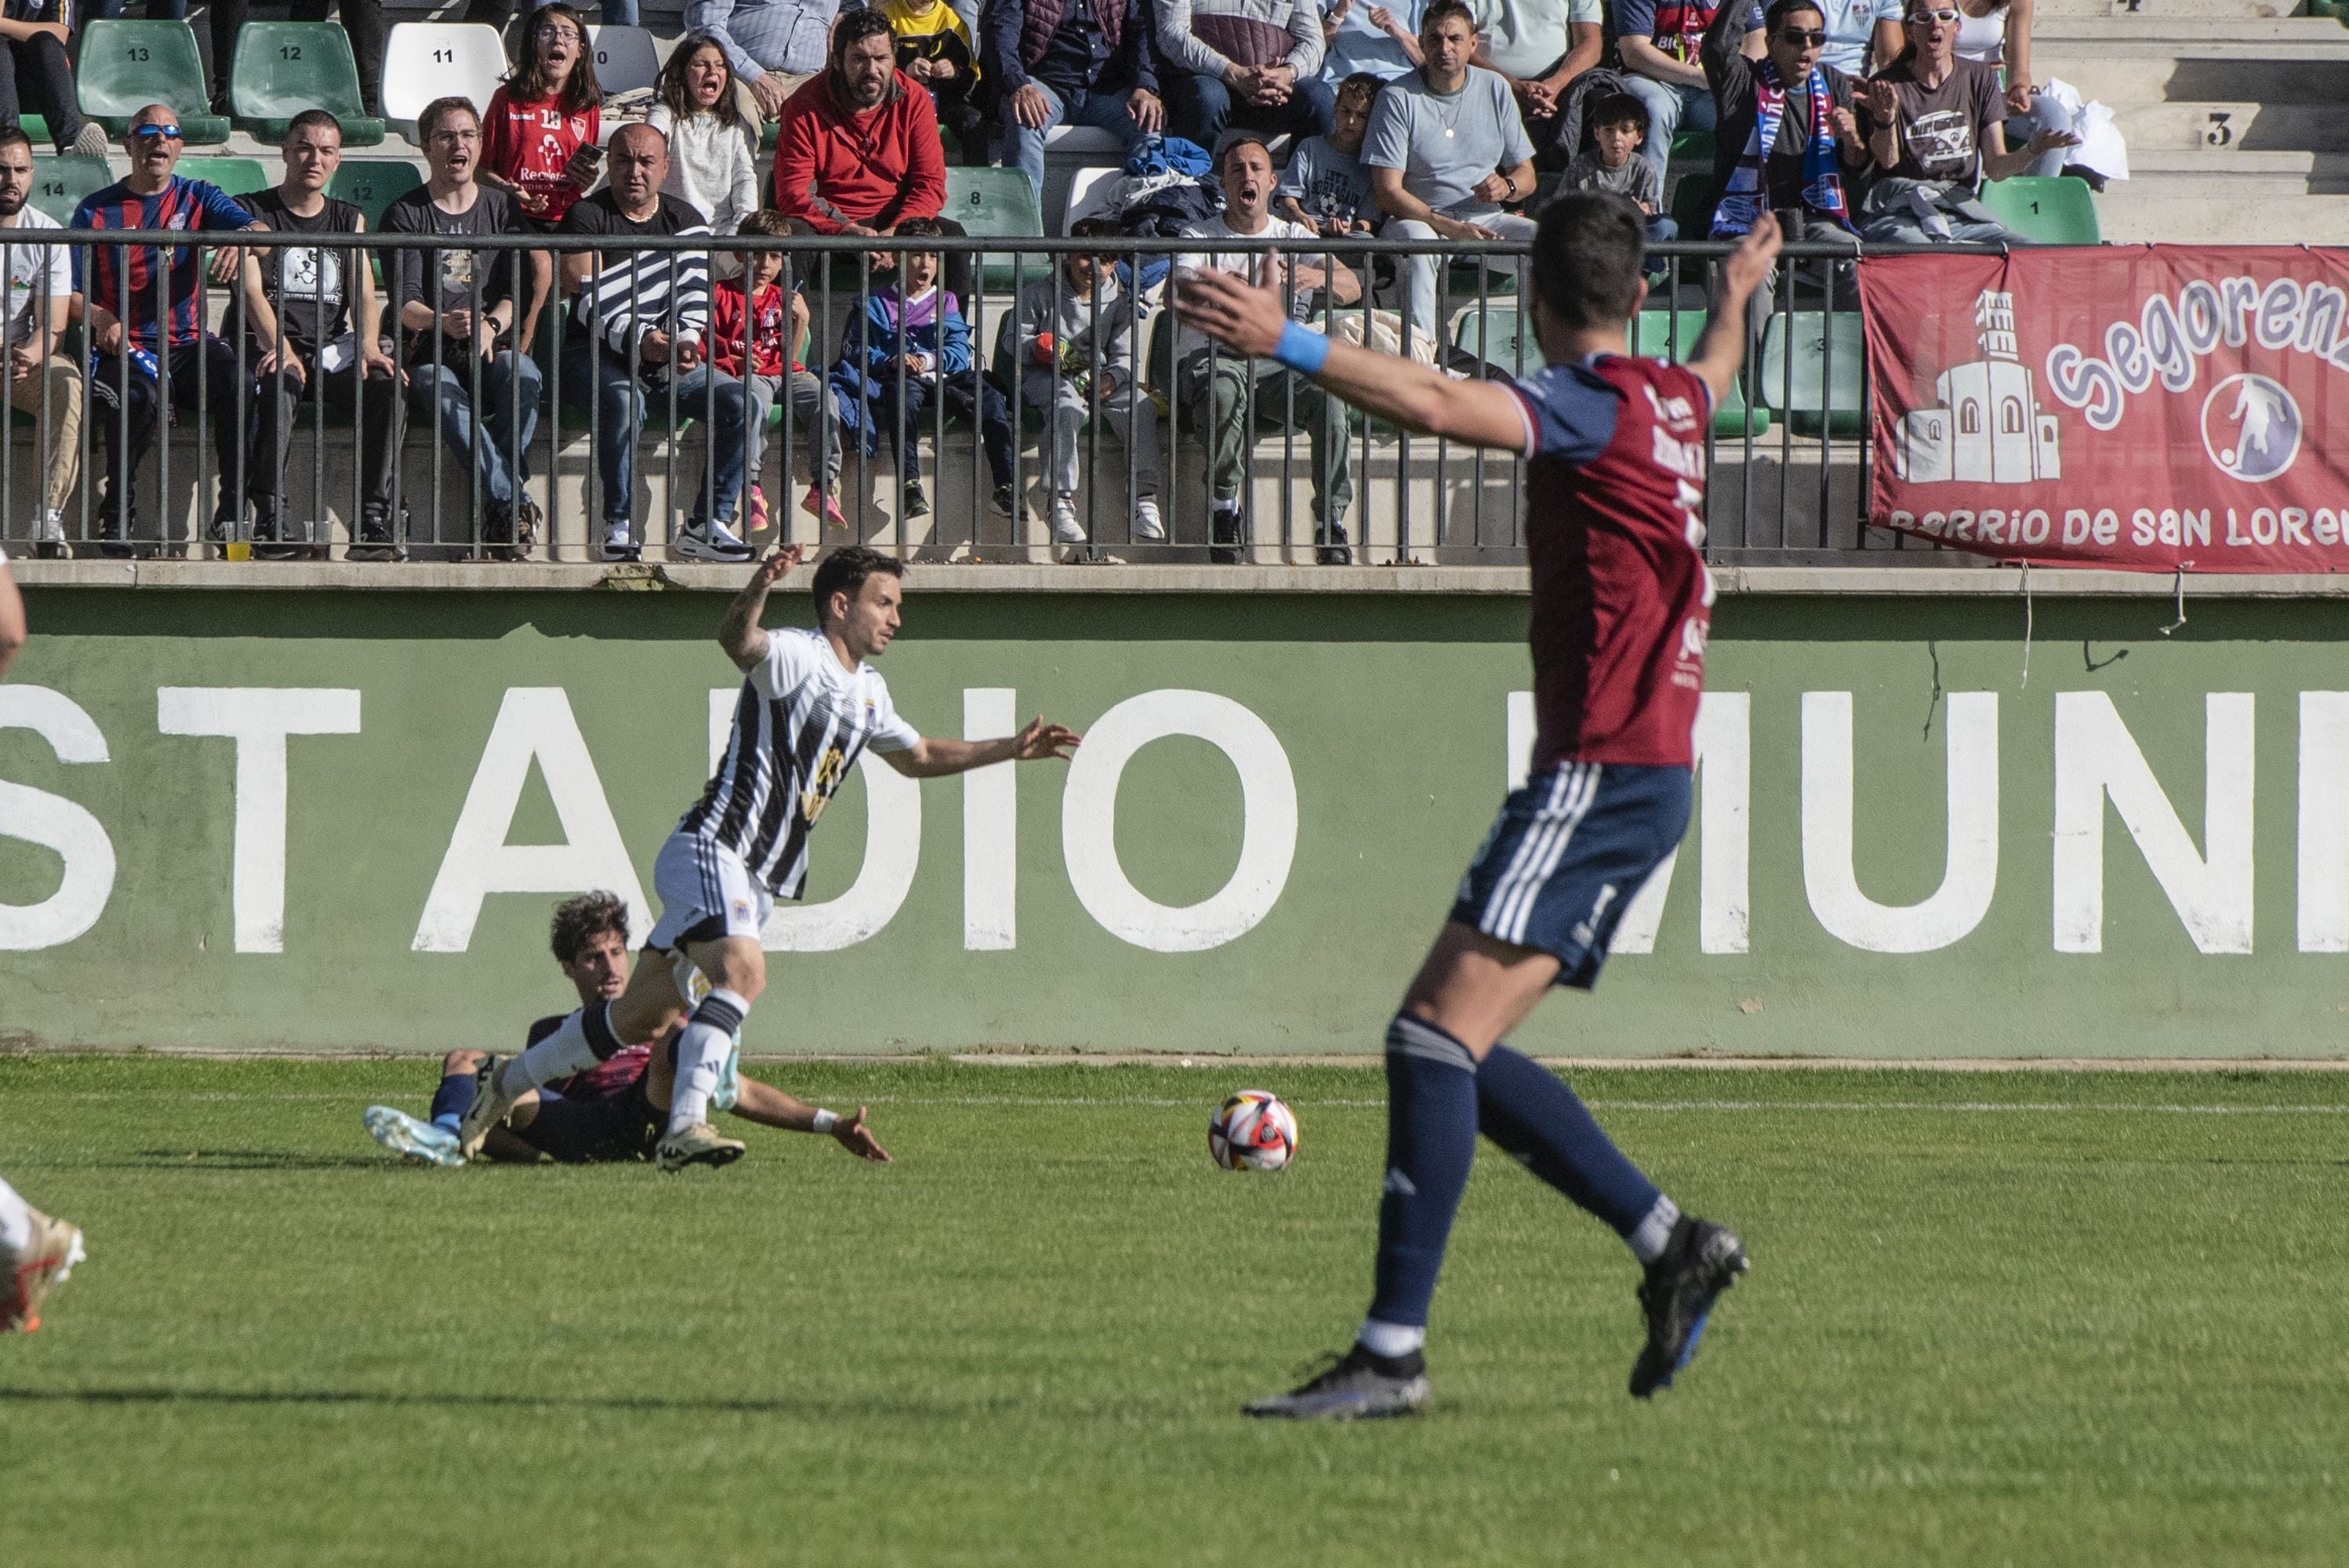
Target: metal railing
x: 1795, y: 489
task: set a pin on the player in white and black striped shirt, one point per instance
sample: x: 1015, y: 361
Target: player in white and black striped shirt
x: 810, y: 707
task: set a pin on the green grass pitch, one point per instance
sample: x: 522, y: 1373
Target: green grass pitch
x: 2034, y: 1318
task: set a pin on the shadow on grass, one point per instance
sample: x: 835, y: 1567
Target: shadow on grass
x: 639, y: 1403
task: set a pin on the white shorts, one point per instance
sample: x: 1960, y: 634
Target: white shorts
x: 704, y: 891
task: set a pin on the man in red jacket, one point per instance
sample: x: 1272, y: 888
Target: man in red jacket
x: 858, y: 152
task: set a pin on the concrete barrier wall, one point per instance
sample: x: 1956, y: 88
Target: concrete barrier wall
x: 325, y: 819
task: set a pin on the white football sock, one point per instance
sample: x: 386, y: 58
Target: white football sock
x: 701, y: 1052
x: 15, y: 1220
x: 1391, y: 1340
x: 561, y: 1053
x: 1648, y: 1239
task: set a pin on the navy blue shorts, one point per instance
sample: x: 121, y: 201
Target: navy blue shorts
x: 608, y: 1129
x: 1569, y: 851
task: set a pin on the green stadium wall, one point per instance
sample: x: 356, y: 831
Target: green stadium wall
x: 2151, y: 831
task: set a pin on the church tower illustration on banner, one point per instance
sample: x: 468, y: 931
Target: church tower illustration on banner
x: 1988, y: 428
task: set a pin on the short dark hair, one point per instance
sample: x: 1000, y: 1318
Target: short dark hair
x: 1587, y: 257
x: 427, y: 122
x: 854, y: 27
x: 579, y: 921
x: 921, y: 229
x: 1362, y: 85
x: 1438, y: 10
x: 1619, y: 108
x: 310, y: 119
x: 768, y: 223
x: 1781, y: 9
x: 1242, y: 138
x: 845, y: 569
x: 14, y: 136
x: 1096, y: 227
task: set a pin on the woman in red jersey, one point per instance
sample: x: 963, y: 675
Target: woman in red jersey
x: 539, y: 139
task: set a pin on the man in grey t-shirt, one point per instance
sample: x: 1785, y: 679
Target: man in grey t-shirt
x: 1446, y: 148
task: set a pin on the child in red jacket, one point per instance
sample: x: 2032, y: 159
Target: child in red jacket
x: 761, y: 325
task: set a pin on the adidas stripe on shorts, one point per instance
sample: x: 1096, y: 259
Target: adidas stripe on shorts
x: 1569, y: 850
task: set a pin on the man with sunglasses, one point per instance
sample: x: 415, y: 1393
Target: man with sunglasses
x: 141, y: 335
x: 1788, y: 142
x: 1935, y: 128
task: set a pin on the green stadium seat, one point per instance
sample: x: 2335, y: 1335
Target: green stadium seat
x: 1691, y: 202
x: 237, y: 175
x: 2058, y: 211
x: 59, y: 183
x: 126, y: 66
x: 1671, y: 334
x: 997, y: 204
x: 35, y: 126
x: 371, y: 185
x: 1692, y: 150
x: 1826, y: 358
x: 283, y: 68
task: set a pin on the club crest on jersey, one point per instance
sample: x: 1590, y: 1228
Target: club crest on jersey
x: 818, y: 794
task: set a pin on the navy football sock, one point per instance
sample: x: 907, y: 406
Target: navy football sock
x: 1529, y: 1111
x: 449, y: 1100
x: 1431, y: 1144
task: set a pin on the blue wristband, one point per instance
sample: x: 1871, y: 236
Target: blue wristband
x: 1301, y: 349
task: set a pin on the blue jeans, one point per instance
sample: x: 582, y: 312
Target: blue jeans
x: 1199, y: 109
x: 1671, y: 107
x: 597, y: 378
x: 510, y: 390
x: 1102, y: 111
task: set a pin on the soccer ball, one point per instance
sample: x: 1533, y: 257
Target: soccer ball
x: 1253, y: 1130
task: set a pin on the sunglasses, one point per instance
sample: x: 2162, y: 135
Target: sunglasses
x: 1804, y: 38
x: 155, y: 133
x: 1921, y: 19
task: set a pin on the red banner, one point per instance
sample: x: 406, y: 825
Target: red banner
x: 2150, y: 407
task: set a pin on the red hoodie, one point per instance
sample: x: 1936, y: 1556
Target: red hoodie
x: 877, y: 167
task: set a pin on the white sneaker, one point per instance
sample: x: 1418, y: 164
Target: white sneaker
x: 708, y: 541
x: 1147, y: 523
x: 1067, y: 527
x: 617, y: 545
x: 91, y: 142
x: 404, y: 1135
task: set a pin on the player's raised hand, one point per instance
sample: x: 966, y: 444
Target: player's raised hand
x: 1040, y: 740
x: 1749, y: 266
x: 1243, y: 317
x: 778, y: 562
x: 858, y: 1139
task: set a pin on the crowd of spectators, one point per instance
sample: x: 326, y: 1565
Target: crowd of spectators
x: 1422, y: 120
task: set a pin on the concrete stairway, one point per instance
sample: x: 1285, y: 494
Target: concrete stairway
x: 2233, y: 114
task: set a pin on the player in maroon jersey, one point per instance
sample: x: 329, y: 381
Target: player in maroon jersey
x: 1621, y: 601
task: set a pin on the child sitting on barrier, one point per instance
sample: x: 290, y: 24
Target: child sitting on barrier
x: 1618, y: 124
x: 750, y: 312
x: 1075, y: 335
x: 906, y: 345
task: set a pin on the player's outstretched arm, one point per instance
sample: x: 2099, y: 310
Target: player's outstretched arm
x: 771, y: 1107
x: 934, y: 757
x: 1721, y: 347
x: 1254, y: 322
x: 744, y: 640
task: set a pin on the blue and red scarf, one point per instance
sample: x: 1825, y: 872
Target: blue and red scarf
x: 1747, y: 194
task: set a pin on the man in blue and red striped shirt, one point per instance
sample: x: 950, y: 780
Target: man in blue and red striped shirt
x: 144, y: 323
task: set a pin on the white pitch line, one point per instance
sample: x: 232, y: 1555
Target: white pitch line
x: 1668, y: 1107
